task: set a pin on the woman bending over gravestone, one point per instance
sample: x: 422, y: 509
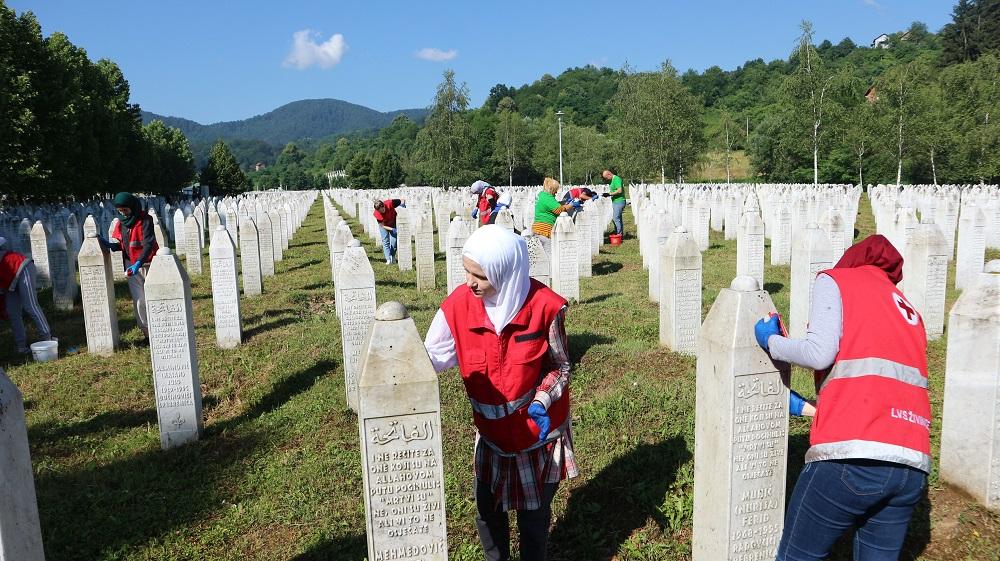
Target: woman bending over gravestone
x: 133, y: 236
x: 869, y: 457
x: 18, y: 296
x: 504, y: 331
x: 385, y: 214
x: 547, y: 209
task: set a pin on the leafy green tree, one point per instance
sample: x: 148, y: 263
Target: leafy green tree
x: 808, y: 93
x: 973, y: 31
x: 896, y: 91
x: 508, y: 135
x: 359, y: 171
x: 290, y: 155
x: 222, y: 173
x: 386, y: 171
x: 656, y: 123
x: 445, y: 140
x: 170, y: 161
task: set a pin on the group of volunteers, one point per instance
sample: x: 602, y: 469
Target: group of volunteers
x: 132, y: 235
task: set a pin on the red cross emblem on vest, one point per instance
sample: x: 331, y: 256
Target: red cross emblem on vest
x: 906, y: 309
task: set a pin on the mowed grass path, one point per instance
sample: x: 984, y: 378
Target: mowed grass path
x: 277, y: 474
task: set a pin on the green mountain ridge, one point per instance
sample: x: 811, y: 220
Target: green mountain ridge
x: 303, y: 119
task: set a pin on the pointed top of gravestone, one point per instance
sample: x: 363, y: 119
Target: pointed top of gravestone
x: 992, y: 267
x: 744, y: 283
x: 391, y: 311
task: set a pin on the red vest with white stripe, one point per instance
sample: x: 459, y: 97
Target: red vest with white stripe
x: 873, y: 404
x: 133, y: 246
x: 11, y: 264
x: 501, y: 372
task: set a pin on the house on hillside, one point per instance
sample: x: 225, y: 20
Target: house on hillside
x: 871, y: 95
x: 881, y: 42
x: 259, y: 166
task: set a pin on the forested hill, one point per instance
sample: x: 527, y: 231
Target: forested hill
x: 308, y: 118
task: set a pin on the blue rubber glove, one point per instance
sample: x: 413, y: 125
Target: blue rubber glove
x: 133, y: 269
x: 577, y: 204
x: 475, y: 212
x: 795, y: 403
x: 537, y: 413
x: 764, y: 329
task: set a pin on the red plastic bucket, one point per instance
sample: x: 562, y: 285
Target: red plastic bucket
x: 616, y: 239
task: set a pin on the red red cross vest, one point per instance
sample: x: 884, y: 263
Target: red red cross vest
x: 874, y: 404
x: 501, y: 372
x: 487, y: 200
x: 10, y: 265
x: 133, y: 246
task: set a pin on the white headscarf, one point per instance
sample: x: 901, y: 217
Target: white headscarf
x: 479, y: 186
x: 503, y: 256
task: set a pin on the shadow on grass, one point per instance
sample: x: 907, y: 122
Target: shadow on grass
x: 111, y: 420
x: 773, y: 287
x: 307, y: 244
x: 317, y: 286
x: 580, y: 343
x: 265, y: 327
x: 353, y: 547
x: 301, y: 266
x: 130, y: 502
x: 282, y: 391
x: 918, y: 535
x: 397, y: 283
x: 602, y: 514
x: 606, y: 268
x: 598, y: 298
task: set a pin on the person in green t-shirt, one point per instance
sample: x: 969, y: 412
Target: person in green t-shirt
x: 617, y: 192
x: 547, y: 208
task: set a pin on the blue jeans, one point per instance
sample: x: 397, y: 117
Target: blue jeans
x: 875, y: 498
x: 619, y: 207
x: 388, y: 243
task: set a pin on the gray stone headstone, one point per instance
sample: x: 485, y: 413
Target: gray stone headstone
x: 249, y: 257
x: 62, y: 271
x: 225, y: 289
x: 505, y: 218
x: 925, y: 272
x: 338, y: 244
x: 584, y: 231
x: 970, y: 427
x: 750, y: 247
x: 680, y: 292
x: 565, y: 256
x: 276, y: 229
x: 23, y: 241
x: 781, y: 238
x: 40, y: 254
x: 424, y: 238
x: 400, y: 431
x: 741, y: 432
x: 356, y: 292
x: 192, y: 250
x: 971, y: 245
x: 97, y: 292
x: 20, y: 532
x: 172, y: 350
x: 810, y: 255
x: 539, y: 265
x: 180, y: 240
x: 457, y: 234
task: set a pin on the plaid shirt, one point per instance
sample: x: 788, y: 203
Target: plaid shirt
x: 516, y: 479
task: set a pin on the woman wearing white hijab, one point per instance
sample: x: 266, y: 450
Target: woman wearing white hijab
x: 505, y: 332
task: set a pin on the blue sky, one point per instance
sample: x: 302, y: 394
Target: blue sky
x: 223, y: 60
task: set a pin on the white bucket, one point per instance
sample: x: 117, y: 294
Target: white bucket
x: 44, y: 351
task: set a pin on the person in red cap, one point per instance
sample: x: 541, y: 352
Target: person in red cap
x: 869, y: 455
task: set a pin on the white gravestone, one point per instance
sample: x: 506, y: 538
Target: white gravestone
x: 971, y: 245
x: 338, y: 244
x: 172, y: 350
x: 970, y: 426
x: 741, y: 432
x: 925, y: 272
x: 538, y: 259
x: 356, y: 291
x: 265, y: 237
x: 750, y: 247
x: 565, y: 253
x: 225, y: 289
x: 192, y: 250
x: 249, y: 257
x: 664, y: 227
x: 97, y: 292
x: 404, y: 235
x: 400, y: 433
x: 425, y: 253
x: 61, y: 270
x: 810, y: 255
x: 781, y: 239
x: 584, y: 230
x: 20, y: 532
x: 180, y: 240
x: 40, y: 254
x: 680, y: 292
x: 457, y: 234
x: 276, y: 229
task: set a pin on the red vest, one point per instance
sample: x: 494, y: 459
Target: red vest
x: 10, y: 265
x: 133, y: 246
x: 387, y: 218
x: 874, y: 404
x: 501, y: 372
x: 486, y: 202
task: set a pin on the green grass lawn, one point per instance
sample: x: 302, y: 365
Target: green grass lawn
x: 277, y: 474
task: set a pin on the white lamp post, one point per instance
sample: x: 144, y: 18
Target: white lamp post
x: 560, y: 114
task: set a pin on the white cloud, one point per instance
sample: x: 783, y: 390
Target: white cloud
x: 436, y: 55
x: 873, y: 4
x: 307, y: 52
